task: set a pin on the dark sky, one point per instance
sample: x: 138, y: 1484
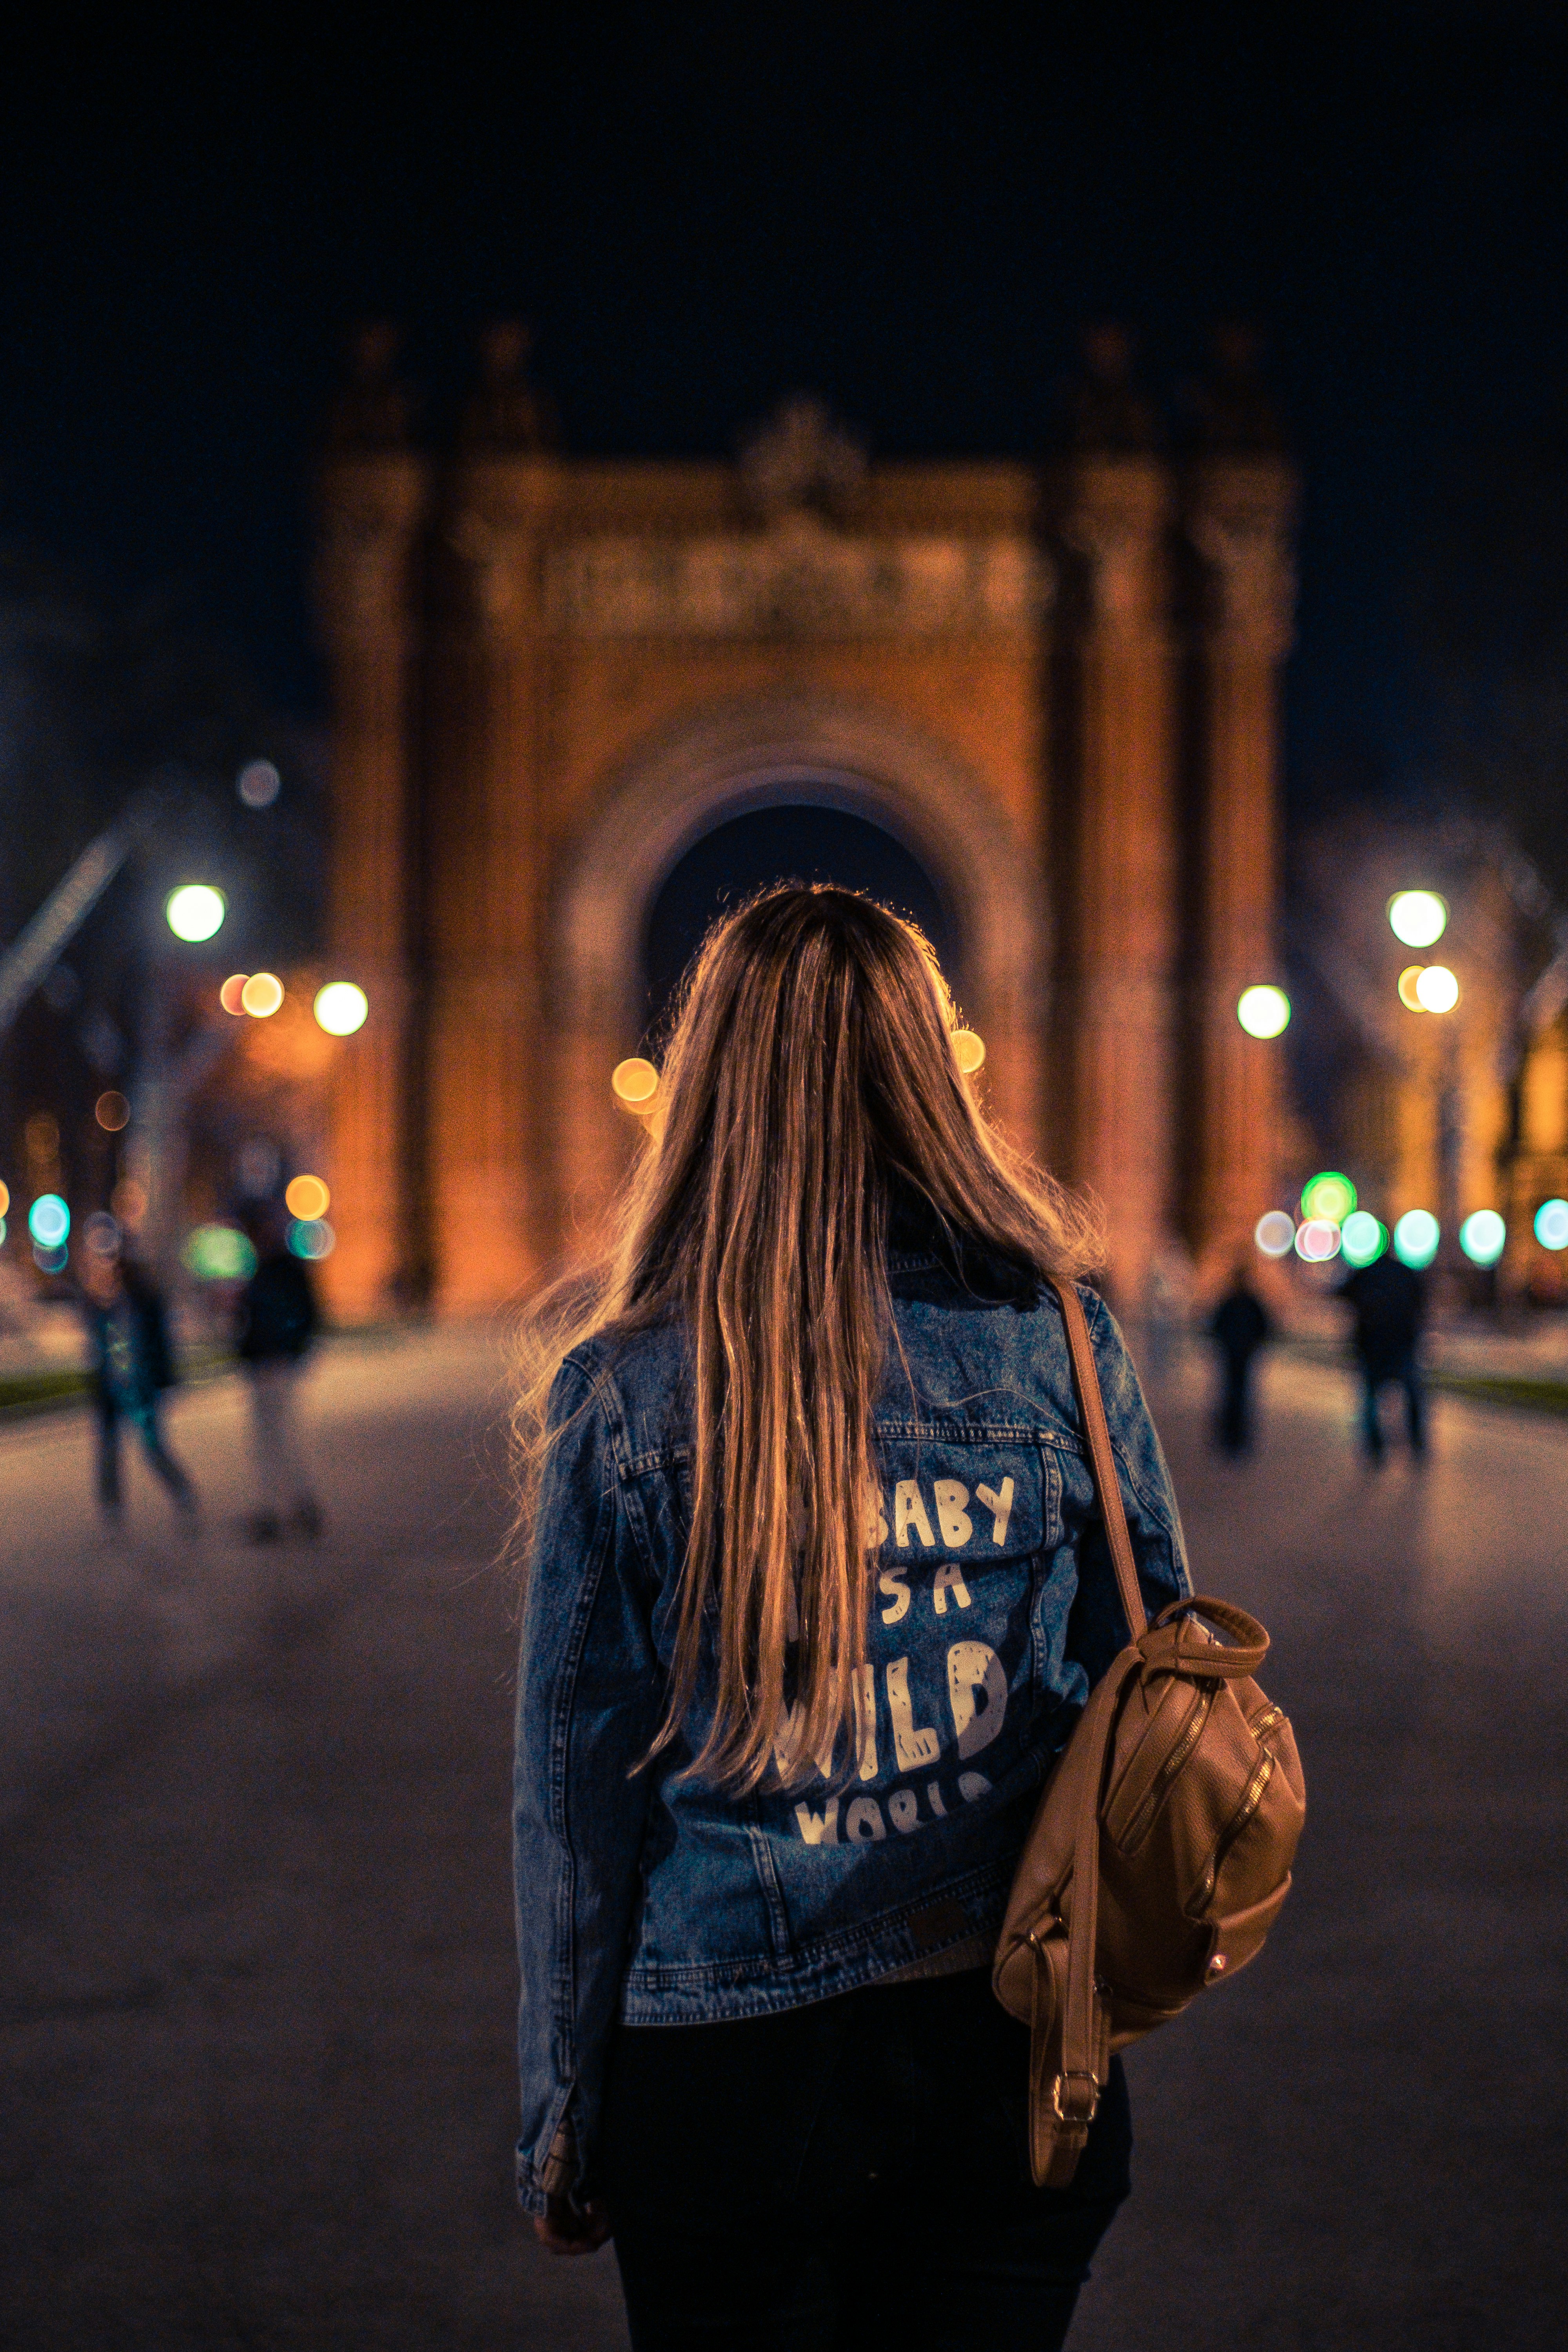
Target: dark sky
x: 911, y: 213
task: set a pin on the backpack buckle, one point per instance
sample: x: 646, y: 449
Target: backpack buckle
x: 1061, y: 2114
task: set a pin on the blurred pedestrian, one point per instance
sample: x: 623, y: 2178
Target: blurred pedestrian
x: 1239, y: 1325
x: 133, y: 1368
x: 1388, y: 1301
x: 276, y: 1320
x: 792, y: 1676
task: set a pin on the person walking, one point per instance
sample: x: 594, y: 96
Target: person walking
x: 1388, y: 1301
x: 1239, y: 1325
x: 133, y: 1368
x: 817, y: 1587
x: 278, y: 1319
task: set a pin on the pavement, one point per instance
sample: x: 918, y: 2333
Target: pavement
x: 256, y: 1982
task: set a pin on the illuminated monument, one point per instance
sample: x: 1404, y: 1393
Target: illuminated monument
x: 1057, y: 685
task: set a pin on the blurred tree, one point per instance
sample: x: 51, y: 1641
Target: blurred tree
x: 99, y: 697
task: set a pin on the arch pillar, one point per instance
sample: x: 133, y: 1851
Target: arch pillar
x: 372, y: 506
x: 1241, y: 511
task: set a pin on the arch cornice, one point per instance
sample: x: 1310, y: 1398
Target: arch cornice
x: 735, y: 755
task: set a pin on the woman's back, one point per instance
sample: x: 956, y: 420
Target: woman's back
x: 816, y: 1593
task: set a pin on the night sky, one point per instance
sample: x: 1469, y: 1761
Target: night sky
x: 912, y: 214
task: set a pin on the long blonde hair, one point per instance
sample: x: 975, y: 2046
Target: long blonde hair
x: 810, y: 1084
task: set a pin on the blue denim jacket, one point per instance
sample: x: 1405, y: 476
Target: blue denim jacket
x: 658, y: 1901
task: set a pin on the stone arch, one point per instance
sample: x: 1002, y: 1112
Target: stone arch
x: 743, y: 754
x: 751, y: 753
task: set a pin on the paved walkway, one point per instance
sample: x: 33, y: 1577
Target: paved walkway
x: 255, y: 1971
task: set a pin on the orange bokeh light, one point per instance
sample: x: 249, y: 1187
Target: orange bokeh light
x: 231, y: 995
x: 262, y: 994
x: 308, y: 1197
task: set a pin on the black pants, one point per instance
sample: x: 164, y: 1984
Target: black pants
x: 853, y: 2173
x: 1377, y: 1373
x: 1233, y: 1419
x: 141, y: 1412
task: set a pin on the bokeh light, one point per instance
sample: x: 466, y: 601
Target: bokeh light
x: 307, y: 1197
x: 970, y: 1047
x: 1551, y: 1224
x: 1415, y: 1237
x: 1274, y: 1233
x: 1328, y: 1195
x: 1406, y: 985
x: 218, y: 1254
x: 1481, y: 1237
x: 112, y: 1111
x: 259, y: 784
x: 194, y: 912
x: 101, y: 1232
x: 262, y: 994
x: 1263, y: 1012
x: 633, y: 1083
x: 311, y: 1238
x: 1363, y: 1238
x: 49, y: 1220
x: 1419, y: 918
x: 1437, y: 989
x: 51, y: 1261
x: 1318, y: 1240
x: 231, y: 995
x: 340, y: 1008
x: 4, y: 1230
x: 4, y: 1199
x: 129, y: 1201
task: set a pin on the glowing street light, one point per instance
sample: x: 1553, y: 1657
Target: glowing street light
x: 1318, y: 1240
x: 1263, y: 1012
x: 1415, y: 1237
x: 1482, y: 1236
x: 308, y: 1197
x: 1551, y: 1224
x: 194, y: 912
x: 49, y: 1220
x: 1438, y: 991
x: 1328, y: 1195
x: 1274, y: 1233
x: 1418, y: 917
x: 340, y: 1008
x: 262, y: 995
x: 1363, y: 1237
x: 634, y: 1084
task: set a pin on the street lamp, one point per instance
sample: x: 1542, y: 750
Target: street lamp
x: 1263, y: 1012
x: 1418, y: 917
x: 194, y: 912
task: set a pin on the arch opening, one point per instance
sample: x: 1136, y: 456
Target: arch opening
x: 791, y: 838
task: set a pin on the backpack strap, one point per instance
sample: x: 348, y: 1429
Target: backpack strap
x: 1103, y: 1461
x: 1068, y: 2065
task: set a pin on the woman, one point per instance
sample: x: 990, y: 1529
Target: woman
x: 816, y: 1594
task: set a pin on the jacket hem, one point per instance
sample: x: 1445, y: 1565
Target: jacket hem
x: 708, y: 1993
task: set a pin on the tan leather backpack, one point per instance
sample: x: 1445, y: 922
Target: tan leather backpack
x: 1161, y: 1851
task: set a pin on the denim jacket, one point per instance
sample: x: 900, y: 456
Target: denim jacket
x: 657, y: 1900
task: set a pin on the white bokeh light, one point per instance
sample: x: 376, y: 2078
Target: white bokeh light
x: 194, y: 912
x: 1263, y: 1012
x: 1417, y: 917
x: 340, y: 1008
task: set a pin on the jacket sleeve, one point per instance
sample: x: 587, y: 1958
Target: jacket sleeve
x: 590, y: 1695
x: 1097, y: 1629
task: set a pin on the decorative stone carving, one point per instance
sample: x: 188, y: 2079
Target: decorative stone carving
x: 370, y: 511
x: 1252, y: 575
x: 499, y: 556
x: 801, y: 459
x: 798, y: 580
